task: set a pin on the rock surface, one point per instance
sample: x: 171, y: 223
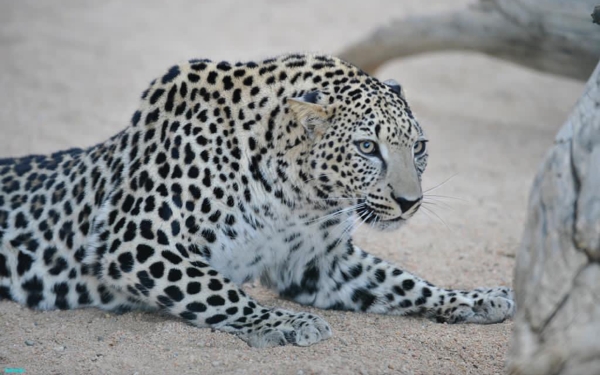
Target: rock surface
x: 557, y: 273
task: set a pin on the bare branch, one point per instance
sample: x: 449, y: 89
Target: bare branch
x: 548, y: 35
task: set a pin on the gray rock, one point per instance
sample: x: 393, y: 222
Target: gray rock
x: 557, y: 274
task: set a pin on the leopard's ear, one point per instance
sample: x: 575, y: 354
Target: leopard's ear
x: 311, y: 112
x: 395, y: 86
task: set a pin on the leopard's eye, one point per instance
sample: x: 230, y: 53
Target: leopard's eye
x: 367, y: 147
x: 420, y: 147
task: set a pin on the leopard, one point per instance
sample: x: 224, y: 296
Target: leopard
x: 229, y: 173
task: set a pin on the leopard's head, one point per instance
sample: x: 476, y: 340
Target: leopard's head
x: 366, y: 151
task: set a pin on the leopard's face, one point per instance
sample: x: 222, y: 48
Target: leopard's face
x: 368, y: 154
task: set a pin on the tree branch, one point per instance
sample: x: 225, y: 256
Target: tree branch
x: 547, y: 35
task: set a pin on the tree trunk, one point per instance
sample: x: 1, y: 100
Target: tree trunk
x: 555, y: 36
x: 557, y: 274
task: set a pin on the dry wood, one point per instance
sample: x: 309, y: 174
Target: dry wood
x: 555, y: 36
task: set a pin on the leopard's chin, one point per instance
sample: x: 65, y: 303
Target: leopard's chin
x: 389, y: 225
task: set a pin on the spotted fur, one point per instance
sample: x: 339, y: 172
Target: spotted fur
x: 228, y: 173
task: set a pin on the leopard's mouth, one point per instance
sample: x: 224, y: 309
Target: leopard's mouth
x: 368, y: 215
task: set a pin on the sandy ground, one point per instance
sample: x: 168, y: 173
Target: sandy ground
x: 71, y: 73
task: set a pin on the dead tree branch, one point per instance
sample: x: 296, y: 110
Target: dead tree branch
x: 555, y: 36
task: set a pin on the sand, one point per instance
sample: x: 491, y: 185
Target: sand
x: 71, y: 73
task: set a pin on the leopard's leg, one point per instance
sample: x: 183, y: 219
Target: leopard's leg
x: 348, y: 278
x: 185, y: 285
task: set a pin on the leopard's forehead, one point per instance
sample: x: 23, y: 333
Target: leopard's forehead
x: 383, y: 114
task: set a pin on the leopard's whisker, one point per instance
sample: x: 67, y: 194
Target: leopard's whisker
x: 427, y: 214
x: 439, y: 204
x: 334, y: 214
x: 368, y: 218
x: 363, y: 219
x: 437, y: 196
x: 348, y: 222
x: 441, y: 183
x: 347, y: 230
x: 437, y: 216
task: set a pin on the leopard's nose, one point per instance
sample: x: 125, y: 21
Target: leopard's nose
x: 407, y: 204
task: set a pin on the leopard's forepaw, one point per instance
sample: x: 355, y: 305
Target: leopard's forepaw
x: 482, y: 306
x: 283, y: 327
x: 492, y: 305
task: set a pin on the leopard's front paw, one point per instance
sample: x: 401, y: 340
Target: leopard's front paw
x: 492, y: 305
x: 482, y: 306
x: 280, y: 327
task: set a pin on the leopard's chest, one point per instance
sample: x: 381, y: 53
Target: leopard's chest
x: 275, y: 242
